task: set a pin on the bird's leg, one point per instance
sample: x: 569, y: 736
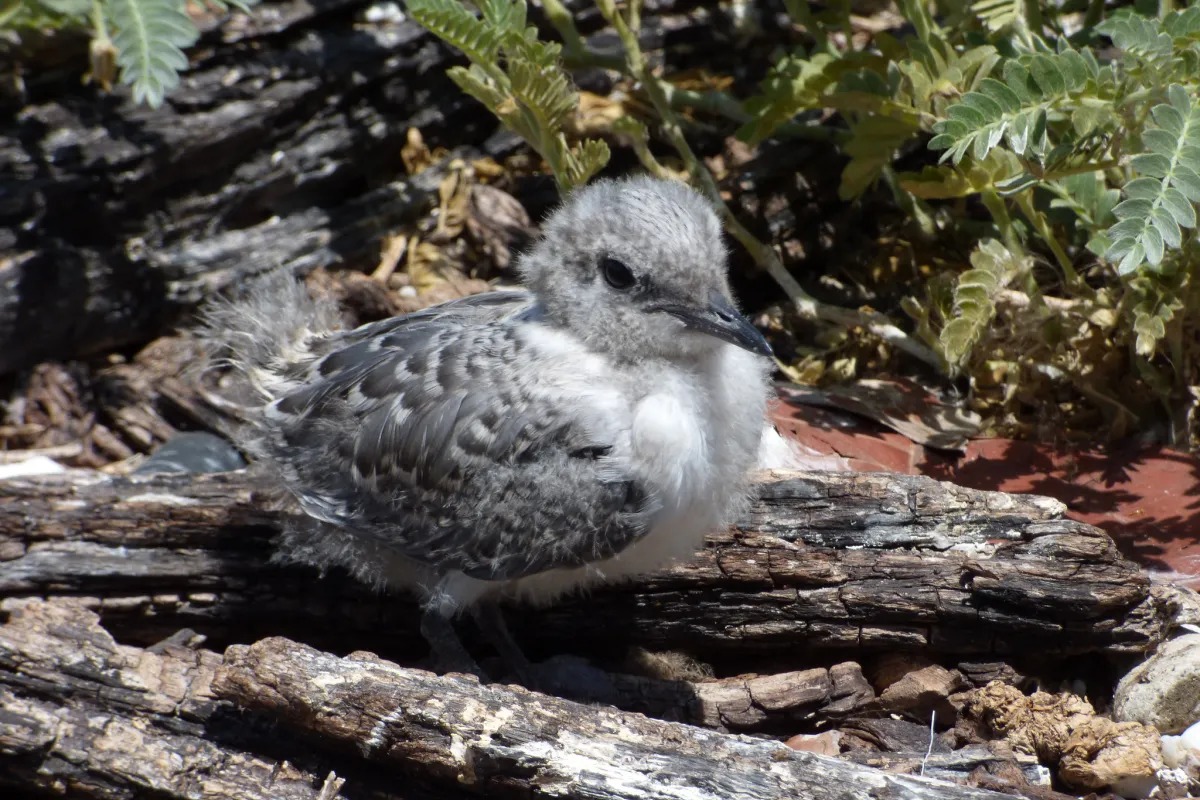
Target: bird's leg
x: 437, y: 626
x: 490, y: 620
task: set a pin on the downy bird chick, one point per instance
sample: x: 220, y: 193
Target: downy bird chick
x: 517, y: 443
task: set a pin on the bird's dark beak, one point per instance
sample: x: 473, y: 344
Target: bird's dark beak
x: 721, y: 320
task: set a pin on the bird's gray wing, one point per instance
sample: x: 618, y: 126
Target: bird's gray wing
x: 435, y: 434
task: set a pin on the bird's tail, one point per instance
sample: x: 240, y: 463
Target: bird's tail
x: 264, y: 334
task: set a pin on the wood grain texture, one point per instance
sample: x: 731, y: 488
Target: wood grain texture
x: 823, y: 561
x: 83, y: 716
x: 504, y: 741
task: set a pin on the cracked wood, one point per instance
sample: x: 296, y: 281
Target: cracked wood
x: 822, y: 561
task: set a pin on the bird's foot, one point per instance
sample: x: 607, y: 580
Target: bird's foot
x: 490, y: 621
x: 449, y: 655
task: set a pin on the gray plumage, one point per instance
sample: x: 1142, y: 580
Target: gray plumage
x: 521, y: 442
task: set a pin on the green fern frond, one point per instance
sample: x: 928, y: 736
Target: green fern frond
x: 149, y: 36
x: 531, y: 94
x: 1158, y: 203
x: 478, y: 83
x: 588, y: 159
x: 547, y: 94
x: 1015, y: 110
x: 1156, y: 301
x: 503, y: 16
x: 1183, y: 26
x: 793, y: 85
x: 993, y: 268
x: 451, y: 22
x: 1150, y: 329
x: 870, y: 90
x: 931, y: 75
x: 947, y: 181
x: 872, y: 147
x: 1140, y: 36
x: 854, y: 81
x: 1088, y: 199
x: 526, y: 45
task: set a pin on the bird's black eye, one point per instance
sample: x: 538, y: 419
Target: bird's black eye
x: 617, y: 274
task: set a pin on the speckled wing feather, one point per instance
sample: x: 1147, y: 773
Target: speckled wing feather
x: 433, y: 434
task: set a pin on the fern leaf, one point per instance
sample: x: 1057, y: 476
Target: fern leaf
x: 1149, y: 328
x: 793, y: 85
x: 945, y: 181
x: 479, y: 84
x: 1140, y: 36
x: 993, y: 268
x: 1183, y: 26
x: 1158, y: 203
x: 526, y: 46
x: 1015, y: 110
x: 872, y: 146
x: 546, y: 93
x: 998, y: 15
x: 505, y: 16
x: 149, y: 36
x: 451, y: 22
x: 591, y: 157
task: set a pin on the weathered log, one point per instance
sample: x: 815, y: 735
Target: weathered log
x: 513, y: 742
x: 823, y: 561
x: 82, y: 715
x: 86, y: 717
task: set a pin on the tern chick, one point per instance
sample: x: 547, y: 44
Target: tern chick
x: 516, y: 443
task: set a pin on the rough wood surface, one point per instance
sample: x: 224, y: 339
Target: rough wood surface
x: 83, y: 716
x: 775, y: 703
x: 508, y: 741
x: 850, y: 562
x: 118, y: 218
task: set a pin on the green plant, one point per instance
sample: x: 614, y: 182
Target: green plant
x: 518, y: 78
x: 144, y: 39
x: 1086, y: 164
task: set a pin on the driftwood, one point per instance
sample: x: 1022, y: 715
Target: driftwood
x: 824, y: 564
x: 83, y: 716
x: 823, y: 561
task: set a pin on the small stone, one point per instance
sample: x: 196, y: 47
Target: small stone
x: 1163, y: 691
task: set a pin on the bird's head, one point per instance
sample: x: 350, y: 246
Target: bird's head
x: 637, y: 269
